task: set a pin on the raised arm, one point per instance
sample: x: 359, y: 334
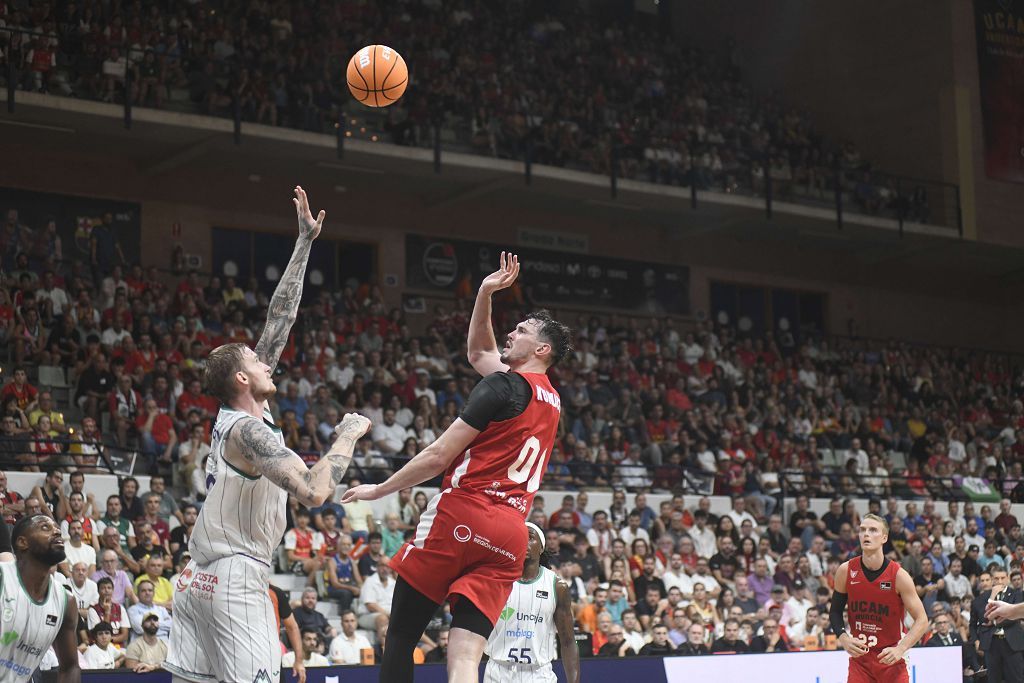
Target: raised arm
x: 428, y: 463
x: 281, y: 465
x: 483, y: 353
x: 284, y: 305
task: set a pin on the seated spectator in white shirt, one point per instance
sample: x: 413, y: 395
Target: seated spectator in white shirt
x: 102, y: 654
x: 389, y: 436
x: 141, y: 610
x: 76, y: 550
x: 311, y: 645
x: 83, y: 588
x: 347, y: 647
x: 375, y: 600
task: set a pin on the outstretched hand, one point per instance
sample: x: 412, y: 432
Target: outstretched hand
x: 504, y: 276
x: 308, y: 227
x: 361, y: 492
x: 998, y: 610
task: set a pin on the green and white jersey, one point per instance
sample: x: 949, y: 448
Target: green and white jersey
x: 525, y: 631
x: 27, y: 627
x: 243, y: 514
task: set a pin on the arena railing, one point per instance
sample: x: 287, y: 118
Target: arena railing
x: 901, y: 199
x: 16, y: 454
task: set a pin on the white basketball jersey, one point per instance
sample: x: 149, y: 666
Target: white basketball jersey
x: 242, y: 515
x: 525, y: 631
x: 27, y: 627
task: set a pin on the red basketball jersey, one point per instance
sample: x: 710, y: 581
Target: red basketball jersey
x: 874, y: 608
x: 507, y: 460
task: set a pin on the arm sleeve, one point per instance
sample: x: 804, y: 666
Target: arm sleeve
x: 488, y: 398
x: 5, y: 538
x: 835, y: 613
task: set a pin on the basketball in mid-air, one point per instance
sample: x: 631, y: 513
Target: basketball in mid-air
x: 377, y: 76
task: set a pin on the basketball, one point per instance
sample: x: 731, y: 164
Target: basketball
x: 377, y: 76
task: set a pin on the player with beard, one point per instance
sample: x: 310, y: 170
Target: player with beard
x: 35, y: 609
x: 471, y: 540
x: 875, y: 592
x: 225, y: 627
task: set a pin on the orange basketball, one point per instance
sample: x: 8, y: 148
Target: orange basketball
x: 377, y: 76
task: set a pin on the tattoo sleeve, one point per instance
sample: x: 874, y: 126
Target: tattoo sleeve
x: 281, y: 465
x: 284, y: 305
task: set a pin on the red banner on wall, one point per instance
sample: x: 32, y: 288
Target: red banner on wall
x: 999, y: 25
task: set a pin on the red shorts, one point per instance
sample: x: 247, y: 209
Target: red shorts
x: 465, y: 546
x: 867, y: 669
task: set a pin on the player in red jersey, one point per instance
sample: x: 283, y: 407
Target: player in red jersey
x: 471, y: 540
x: 875, y: 592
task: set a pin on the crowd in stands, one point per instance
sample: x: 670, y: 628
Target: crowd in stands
x: 566, y: 84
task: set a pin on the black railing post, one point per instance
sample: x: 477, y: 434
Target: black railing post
x: 128, y: 88
x: 837, y: 181
x: 901, y: 204
x: 12, y: 85
x: 693, y: 191
x: 766, y: 166
x: 437, y: 147
x: 528, y: 161
x: 613, y: 170
x: 959, y: 213
x: 236, y: 113
x: 341, y: 128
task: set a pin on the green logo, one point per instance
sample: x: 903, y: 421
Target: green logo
x: 507, y: 612
x: 12, y: 636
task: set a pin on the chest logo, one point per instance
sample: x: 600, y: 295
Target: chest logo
x: 51, y: 619
x: 507, y: 612
x: 885, y: 585
x: 853, y: 573
x: 543, y: 595
x: 8, y: 637
x: 462, y: 533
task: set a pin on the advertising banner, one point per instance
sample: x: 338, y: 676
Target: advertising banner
x: 999, y: 26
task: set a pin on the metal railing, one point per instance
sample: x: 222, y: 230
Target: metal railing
x: 844, y: 191
x: 16, y: 453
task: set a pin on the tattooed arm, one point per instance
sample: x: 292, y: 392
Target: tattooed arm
x: 311, y: 487
x: 284, y: 305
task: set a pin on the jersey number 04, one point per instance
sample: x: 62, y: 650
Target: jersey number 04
x: 528, y: 465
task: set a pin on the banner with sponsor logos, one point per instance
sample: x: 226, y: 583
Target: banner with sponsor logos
x: 27, y: 217
x: 999, y: 26
x: 927, y: 665
x: 550, y: 277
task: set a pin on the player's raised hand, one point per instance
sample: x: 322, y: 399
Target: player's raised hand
x: 853, y: 646
x: 308, y: 227
x: 353, y: 426
x: 361, y: 492
x: 504, y: 276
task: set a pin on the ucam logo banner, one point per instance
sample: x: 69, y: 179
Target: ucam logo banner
x: 925, y: 665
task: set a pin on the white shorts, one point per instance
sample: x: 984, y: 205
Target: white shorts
x: 225, y: 628
x: 507, y: 672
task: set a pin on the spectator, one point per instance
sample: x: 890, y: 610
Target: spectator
x: 121, y: 584
x: 108, y: 612
x: 308, y: 617
x: 181, y: 534
x: 770, y: 640
x: 147, y: 652
x: 348, y: 647
x: 311, y: 644
x: 617, y: 646
x: 303, y: 546
x: 83, y: 588
x: 77, y: 552
x: 373, y: 556
x: 377, y: 593
x: 163, y: 591
x: 730, y: 640
x: 145, y: 609
x: 694, y: 645
x: 659, y: 645
x: 360, y: 517
x: 102, y: 654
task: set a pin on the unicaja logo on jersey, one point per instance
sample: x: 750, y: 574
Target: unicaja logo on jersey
x: 462, y: 533
x: 12, y: 636
x: 507, y: 612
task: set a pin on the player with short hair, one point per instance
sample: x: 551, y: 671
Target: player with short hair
x: 875, y: 592
x: 470, y: 542
x: 225, y: 628
x: 36, y: 610
x: 522, y: 645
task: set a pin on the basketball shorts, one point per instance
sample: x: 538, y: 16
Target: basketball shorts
x: 507, y: 672
x: 867, y: 669
x: 225, y: 628
x: 465, y: 546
